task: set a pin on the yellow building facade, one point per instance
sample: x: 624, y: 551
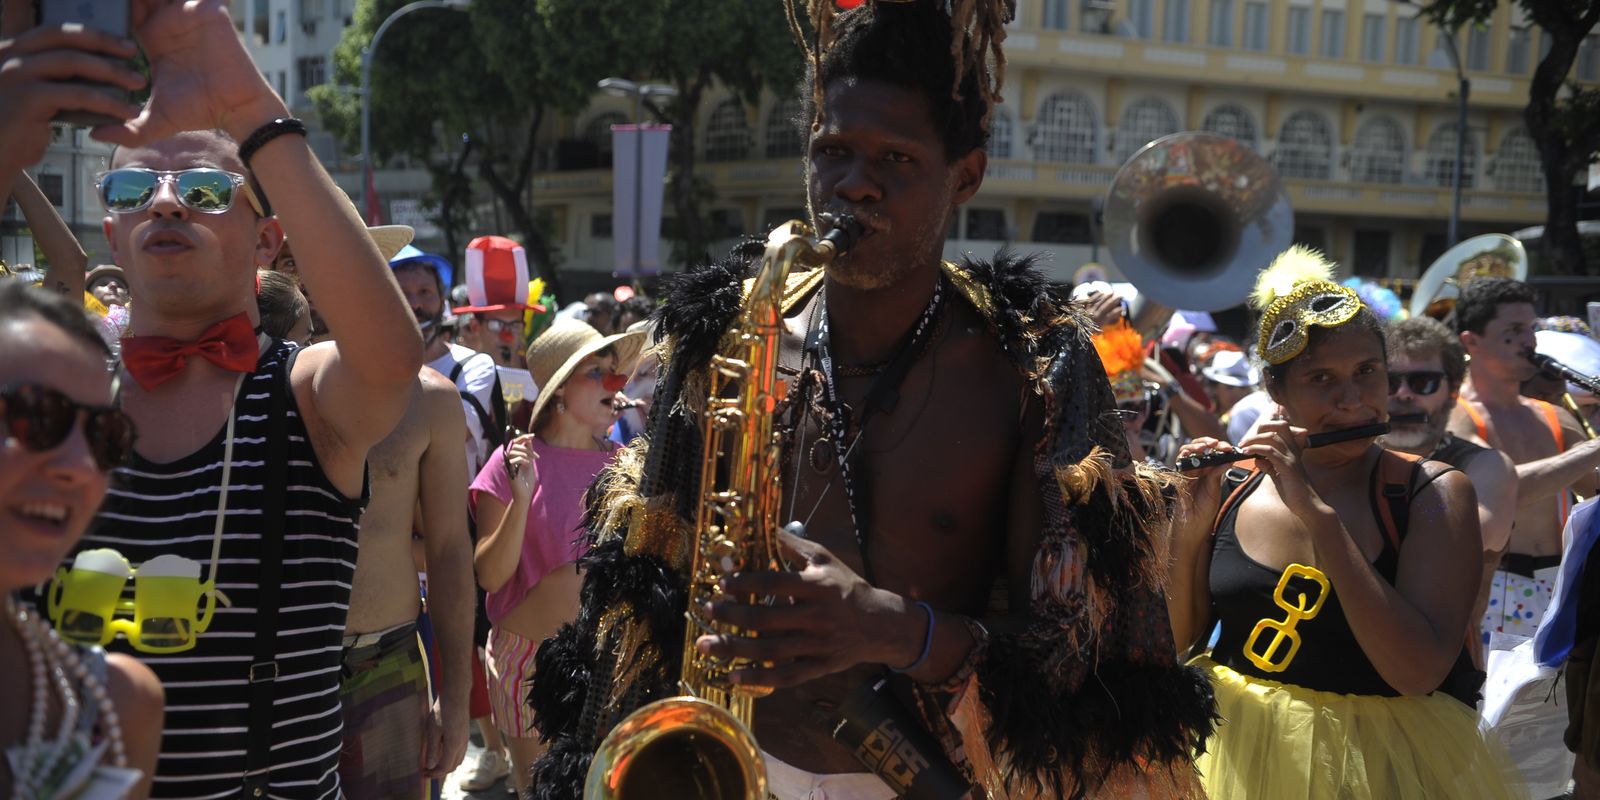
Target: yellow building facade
x: 1354, y: 102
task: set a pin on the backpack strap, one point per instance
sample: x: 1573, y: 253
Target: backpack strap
x: 1235, y: 483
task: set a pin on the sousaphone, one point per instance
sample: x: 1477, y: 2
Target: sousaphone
x: 1492, y: 255
x: 1192, y: 217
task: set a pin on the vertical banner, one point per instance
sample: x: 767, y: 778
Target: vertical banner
x: 636, y: 214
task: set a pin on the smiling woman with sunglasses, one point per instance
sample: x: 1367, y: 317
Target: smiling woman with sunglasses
x: 71, y: 707
x: 1341, y: 577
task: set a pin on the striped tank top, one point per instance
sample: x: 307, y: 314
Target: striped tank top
x: 155, y: 509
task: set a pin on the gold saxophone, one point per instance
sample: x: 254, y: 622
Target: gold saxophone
x: 697, y: 745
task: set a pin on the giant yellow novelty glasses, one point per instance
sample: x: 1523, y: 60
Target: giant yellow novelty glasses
x: 86, y: 605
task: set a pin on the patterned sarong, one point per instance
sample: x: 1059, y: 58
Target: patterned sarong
x: 385, y: 701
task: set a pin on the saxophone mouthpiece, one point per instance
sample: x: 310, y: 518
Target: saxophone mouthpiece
x: 843, y: 231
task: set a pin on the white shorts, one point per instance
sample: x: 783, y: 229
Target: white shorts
x: 790, y: 783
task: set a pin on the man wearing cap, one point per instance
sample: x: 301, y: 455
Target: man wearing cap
x: 1426, y: 367
x: 247, y: 444
x: 108, y: 284
x: 497, y: 293
x: 425, y: 278
x: 1228, y: 378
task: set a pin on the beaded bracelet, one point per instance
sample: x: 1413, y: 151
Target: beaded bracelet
x: 927, y: 644
x: 266, y: 133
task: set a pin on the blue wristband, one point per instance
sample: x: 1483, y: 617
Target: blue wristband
x: 927, y: 644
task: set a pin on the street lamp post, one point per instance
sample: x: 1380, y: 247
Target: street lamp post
x: 366, y: 85
x: 626, y: 88
x: 1464, y: 89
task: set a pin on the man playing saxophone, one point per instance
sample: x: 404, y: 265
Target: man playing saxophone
x: 973, y: 528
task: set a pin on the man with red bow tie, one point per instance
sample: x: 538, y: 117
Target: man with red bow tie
x: 244, y: 440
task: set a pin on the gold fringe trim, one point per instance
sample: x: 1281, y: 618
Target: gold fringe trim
x: 1143, y: 482
x: 633, y: 650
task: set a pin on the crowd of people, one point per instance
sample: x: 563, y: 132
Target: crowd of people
x: 370, y: 496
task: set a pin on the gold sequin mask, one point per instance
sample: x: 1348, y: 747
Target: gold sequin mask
x: 1286, y: 325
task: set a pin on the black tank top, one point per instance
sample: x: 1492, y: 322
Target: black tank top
x: 1455, y: 451
x: 1329, y: 658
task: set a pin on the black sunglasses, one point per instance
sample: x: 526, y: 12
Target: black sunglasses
x: 1423, y: 382
x: 42, y: 418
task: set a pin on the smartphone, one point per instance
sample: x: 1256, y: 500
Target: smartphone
x: 109, y: 16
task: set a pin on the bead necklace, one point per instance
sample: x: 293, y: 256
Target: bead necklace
x: 37, y: 768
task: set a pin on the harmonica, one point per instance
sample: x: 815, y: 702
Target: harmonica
x: 1192, y: 463
x: 1408, y: 419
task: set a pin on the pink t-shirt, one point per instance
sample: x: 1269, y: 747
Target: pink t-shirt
x: 552, y: 538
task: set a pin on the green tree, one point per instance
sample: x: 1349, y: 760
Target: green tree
x: 693, y: 45
x: 1563, y: 119
x: 461, y: 93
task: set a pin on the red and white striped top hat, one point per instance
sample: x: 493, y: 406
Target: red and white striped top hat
x: 497, y: 276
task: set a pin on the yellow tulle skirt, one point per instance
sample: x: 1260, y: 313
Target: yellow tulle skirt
x: 1278, y: 741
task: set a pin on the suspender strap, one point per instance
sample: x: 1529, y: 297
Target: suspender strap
x: 1477, y: 419
x: 264, y: 669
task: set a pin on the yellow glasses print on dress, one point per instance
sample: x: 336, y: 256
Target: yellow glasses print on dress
x: 1284, y: 629
x: 86, y: 605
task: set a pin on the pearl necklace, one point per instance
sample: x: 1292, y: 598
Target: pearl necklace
x: 50, y: 657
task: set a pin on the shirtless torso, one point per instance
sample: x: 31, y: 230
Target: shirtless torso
x: 1521, y: 431
x: 942, y: 469
x: 383, y: 593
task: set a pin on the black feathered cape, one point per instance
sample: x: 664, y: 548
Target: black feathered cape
x: 1087, y: 700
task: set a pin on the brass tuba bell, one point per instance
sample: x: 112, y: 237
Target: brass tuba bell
x: 1192, y: 217
x: 1492, y: 255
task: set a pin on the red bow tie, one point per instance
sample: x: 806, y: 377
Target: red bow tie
x: 153, y: 360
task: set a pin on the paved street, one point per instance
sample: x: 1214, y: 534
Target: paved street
x: 453, y: 792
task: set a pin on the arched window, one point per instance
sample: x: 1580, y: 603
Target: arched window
x: 597, y: 131
x: 1234, y: 121
x: 999, y: 135
x: 1144, y: 121
x: 1379, y: 153
x: 1441, y: 166
x: 728, y: 133
x: 1305, y: 147
x: 1516, y: 164
x: 784, y: 136
x: 1066, y: 129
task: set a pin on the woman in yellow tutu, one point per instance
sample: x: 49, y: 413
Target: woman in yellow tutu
x: 1343, y: 577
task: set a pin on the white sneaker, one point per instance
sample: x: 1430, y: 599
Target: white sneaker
x: 491, y: 767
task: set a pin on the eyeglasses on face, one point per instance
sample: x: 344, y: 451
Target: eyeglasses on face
x: 41, y: 418
x: 202, y: 189
x: 498, y: 325
x: 1422, y: 382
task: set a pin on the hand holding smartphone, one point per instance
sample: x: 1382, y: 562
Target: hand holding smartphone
x: 107, y: 16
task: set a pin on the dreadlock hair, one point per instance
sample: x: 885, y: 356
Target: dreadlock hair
x: 948, y: 50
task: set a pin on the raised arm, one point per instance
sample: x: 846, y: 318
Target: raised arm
x: 502, y: 511
x: 203, y: 78
x: 1189, y: 574
x: 67, y: 259
x: 1538, y: 481
x: 442, y: 478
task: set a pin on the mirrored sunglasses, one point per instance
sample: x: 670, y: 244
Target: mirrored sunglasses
x: 41, y: 418
x: 1423, y: 382
x: 203, y: 189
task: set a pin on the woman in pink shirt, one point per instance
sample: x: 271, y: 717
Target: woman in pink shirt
x: 528, y: 501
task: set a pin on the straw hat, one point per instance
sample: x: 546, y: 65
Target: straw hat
x: 390, y: 238
x: 105, y: 271
x: 556, y: 353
